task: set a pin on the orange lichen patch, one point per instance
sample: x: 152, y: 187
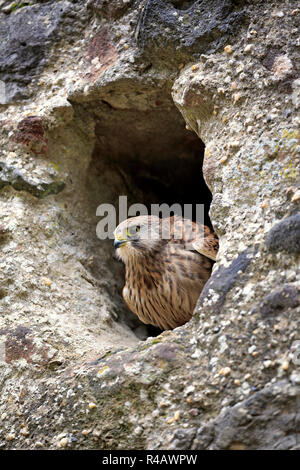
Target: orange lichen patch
x: 174, y: 418
x: 225, y: 371
x: 228, y: 49
x: 47, y: 281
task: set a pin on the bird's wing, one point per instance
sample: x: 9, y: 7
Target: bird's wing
x: 207, y: 246
x: 194, y: 236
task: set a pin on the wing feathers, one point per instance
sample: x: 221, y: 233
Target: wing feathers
x: 195, y: 237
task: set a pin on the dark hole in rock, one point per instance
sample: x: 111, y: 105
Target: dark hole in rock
x: 144, y: 151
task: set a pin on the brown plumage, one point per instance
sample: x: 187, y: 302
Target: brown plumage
x: 167, y: 263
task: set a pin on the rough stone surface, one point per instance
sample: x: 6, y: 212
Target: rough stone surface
x: 266, y: 420
x: 95, y: 101
x: 223, y: 279
x: 279, y: 300
x: 109, y: 8
x: 285, y: 236
x: 178, y: 31
x: 26, y: 35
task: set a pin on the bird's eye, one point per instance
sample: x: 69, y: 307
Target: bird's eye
x: 131, y: 231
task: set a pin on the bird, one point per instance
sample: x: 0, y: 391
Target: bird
x: 167, y: 263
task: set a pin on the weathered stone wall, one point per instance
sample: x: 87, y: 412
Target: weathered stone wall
x: 88, y: 97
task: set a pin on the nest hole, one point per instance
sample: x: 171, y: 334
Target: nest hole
x: 149, y: 156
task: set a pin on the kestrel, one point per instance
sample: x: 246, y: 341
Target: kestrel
x: 167, y: 263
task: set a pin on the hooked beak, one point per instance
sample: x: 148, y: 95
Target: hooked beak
x: 118, y: 243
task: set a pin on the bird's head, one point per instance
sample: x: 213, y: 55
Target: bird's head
x: 137, y: 236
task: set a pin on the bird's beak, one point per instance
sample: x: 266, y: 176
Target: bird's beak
x: 118, y: 243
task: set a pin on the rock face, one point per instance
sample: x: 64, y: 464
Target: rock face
x: 95, y: 99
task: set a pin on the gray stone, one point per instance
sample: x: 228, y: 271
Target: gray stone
x: 271, y: 415
x: 186, y: 32
x: 285, y: 235
x: 280, y: 300
x: 223, y: 279
x: 26, y: 35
